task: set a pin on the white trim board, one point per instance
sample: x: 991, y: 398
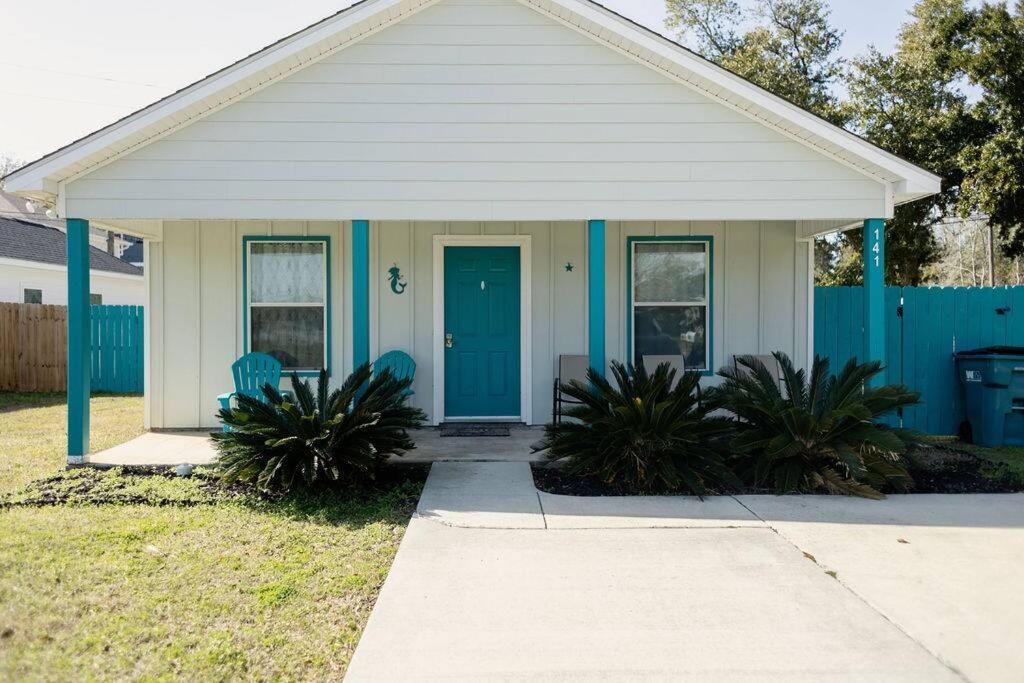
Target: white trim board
x: 523, y: 242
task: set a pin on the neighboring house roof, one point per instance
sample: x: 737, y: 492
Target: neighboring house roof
x: 42, y: 177
x: 13, y: 206
x: 27, y: 241
x: 133, y: 254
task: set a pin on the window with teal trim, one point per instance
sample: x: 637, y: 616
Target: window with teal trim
x: 669, y: 300
x: 287, y: 301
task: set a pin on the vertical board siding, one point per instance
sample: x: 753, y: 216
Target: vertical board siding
x: 936, y: 323
x: 196, y: 298
x: 33, y: 348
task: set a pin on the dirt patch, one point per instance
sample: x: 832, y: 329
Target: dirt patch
x: 941, y: 469
x: 162, y: 487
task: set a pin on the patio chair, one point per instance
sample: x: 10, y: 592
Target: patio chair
x: 569, y: 368
x: 675, y: 362
x: 400, y: 363
x: 767, y: 360
x: 251, y: 372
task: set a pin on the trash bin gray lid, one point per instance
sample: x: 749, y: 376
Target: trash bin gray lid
x: 994, y: 351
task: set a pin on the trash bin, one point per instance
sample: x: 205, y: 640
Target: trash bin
x: 993, y: 381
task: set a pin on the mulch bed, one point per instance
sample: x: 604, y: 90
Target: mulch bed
x: 935, y: 469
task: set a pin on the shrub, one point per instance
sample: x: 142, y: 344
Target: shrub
x: 338, y: 436
x: 819, y: 433
x: 649, y: 434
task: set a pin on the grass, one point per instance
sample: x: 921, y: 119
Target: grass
x: 108, y: 575
x: 33, y: 432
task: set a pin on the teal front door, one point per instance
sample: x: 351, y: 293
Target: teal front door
x: 481, y: 326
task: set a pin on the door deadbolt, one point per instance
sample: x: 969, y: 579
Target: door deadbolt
x: 449, y: 341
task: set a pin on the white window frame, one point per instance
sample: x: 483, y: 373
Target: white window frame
x: 324, y: 304
x: 706, y: 242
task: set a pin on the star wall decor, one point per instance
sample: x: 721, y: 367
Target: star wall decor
x: 569, y: 267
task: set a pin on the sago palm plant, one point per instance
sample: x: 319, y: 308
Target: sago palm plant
x: 817, y: 432
x: 648, y: 433
x: 324, y: 437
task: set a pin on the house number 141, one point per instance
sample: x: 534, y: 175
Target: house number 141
x: 876, y: 248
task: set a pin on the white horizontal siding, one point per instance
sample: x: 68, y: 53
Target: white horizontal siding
x: 487, y: 111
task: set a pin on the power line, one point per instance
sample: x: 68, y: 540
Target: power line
x: 112, y: 105
x: 81, y: 75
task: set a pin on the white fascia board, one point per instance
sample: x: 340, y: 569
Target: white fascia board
x: 917, y: 179
x: 34, y: 178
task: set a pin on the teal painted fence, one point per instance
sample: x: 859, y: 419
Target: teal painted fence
x: 116, y: 356
x: 925, y: 326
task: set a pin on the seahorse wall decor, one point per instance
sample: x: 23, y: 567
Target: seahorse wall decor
x: 398, y: 285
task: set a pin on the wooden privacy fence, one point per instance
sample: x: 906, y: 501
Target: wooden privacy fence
x: 33, y: 348
x: 925, y: 326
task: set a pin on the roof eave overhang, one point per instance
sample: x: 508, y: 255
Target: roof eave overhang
x: 722, y: 85
x: 41, y: 179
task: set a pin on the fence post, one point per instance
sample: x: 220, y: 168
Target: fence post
x: 874, y: 293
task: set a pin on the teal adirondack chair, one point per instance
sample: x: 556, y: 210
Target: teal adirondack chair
x: 251, y: 372
x: 400, y: 363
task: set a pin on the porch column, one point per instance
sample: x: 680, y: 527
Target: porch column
x: 596, y: 294
x: 79, y: 343
x: 874, y: 293
x: 360, y: 292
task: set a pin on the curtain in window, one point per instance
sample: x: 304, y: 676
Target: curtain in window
x: 287, y: 296
x: 670, y: 301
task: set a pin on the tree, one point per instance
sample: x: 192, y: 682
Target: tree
x: 988, y: 49
x: 910, y: 103
x: 791, y: 49
x: 8, y: 164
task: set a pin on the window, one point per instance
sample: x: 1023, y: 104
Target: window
x: 95, y: 299
x: 288, y: 299
x: 33, y: 296
x: 670, y: 291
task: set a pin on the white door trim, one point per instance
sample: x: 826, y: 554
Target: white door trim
x: 525, y: 319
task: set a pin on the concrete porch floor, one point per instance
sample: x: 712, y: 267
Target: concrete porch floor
x: 193, y: 447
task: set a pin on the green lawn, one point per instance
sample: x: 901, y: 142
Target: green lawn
x: 194, y: 582
x: 33, y: 432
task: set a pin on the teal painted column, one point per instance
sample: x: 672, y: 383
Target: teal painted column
x: 596, y: 295
x: 874, y: 293
x: 360, y: 292
x: 79, y: 343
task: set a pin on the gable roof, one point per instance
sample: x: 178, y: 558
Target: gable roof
x: 41, y: 178
x: 27, y: 241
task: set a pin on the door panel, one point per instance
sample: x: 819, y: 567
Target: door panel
x: 481, y: 312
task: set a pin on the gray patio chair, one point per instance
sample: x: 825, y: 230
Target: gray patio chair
x: 570, y: 367
x: 675, y: 362
x: 767, y: 360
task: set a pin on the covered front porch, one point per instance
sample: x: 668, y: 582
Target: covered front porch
x: 384, y: 288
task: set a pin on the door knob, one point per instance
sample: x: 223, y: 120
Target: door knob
x: 449, y: 341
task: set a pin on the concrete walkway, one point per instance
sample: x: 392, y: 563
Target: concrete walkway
x: 194, y: 447
x: 497, y: 581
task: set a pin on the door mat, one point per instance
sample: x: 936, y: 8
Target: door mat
x: 474, y: 429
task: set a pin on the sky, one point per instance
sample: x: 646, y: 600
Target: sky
x: 69, y: 67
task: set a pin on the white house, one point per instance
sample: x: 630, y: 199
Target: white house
x: 33, y: 268
x: 530, y: 177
